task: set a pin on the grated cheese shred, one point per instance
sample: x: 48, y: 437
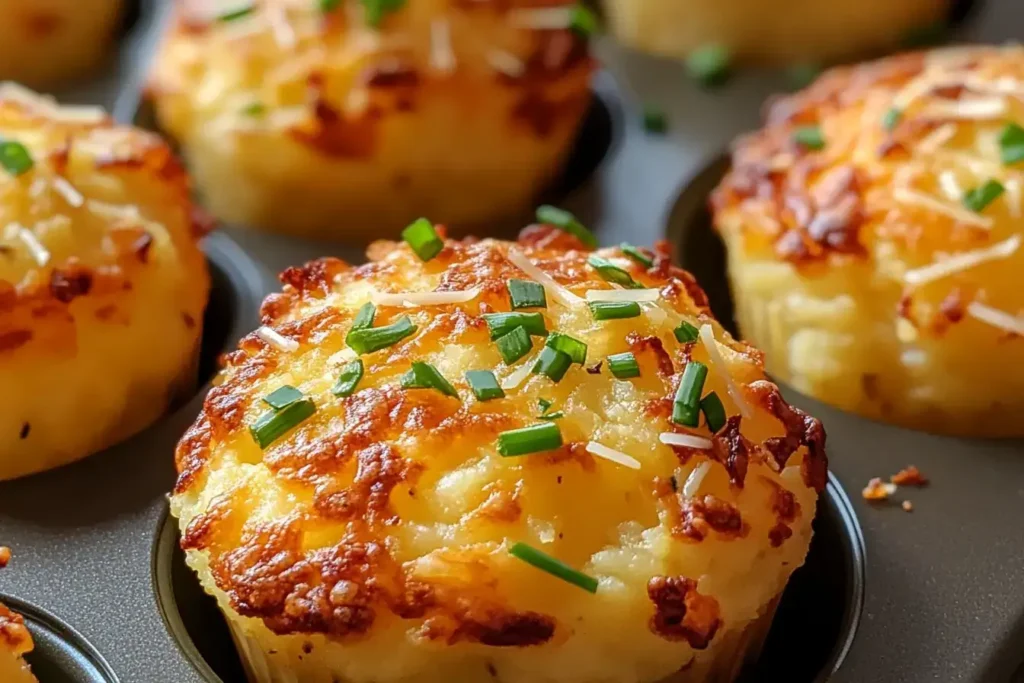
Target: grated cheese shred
x: 962, y: 262
x: 417, y: 299
x: 685, y: 440
x: 276, y: 339
x: 718, y: 365
x: 996, y: 318
x: 557, y: 291
x: 602, y: 451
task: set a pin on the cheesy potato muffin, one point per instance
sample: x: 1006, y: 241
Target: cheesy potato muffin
x: 874, y: 230
x: 344, y: 119
x: 102, y: 283
x: 43, y: 42
x: 771, y: 30
x: 492, y: 465
x: 15, y: 642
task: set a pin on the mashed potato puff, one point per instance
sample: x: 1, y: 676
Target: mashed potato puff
x: 874, y: 230
x: 332, y: 123
x: 379, y: 532
x: 15, y: 642
x: 771, y: 30
x: 43, y: 42
x: 102, y: 284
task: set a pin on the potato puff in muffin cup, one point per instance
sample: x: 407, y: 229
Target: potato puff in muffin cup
x: 483, y: 460
x: 102, y: 283
x: 15, y: 642
x: 343, y: 119
x: 48, y: 42
x: 874, y: 235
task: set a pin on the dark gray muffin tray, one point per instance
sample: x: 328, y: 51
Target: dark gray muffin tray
x: 885, y: 596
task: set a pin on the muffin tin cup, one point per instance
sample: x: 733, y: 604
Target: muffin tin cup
x: 885, y: 596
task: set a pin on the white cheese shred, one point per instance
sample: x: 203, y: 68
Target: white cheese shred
x: 905, y: 195
x: 961, y: 262
x: 719, y: 366
x: 68, y: 191
x: 695, y: 479
x: 346, y: 355
x: 950, y: 186
x: 996, y: 318
x: 981, y: 108
x: 442, y: 57
x: 35, y: 247
x: 549, y: 18
x: 276, y: 339
x: 602, y: 451
x: 557, y: 291
x: 638, y: 295
x: 517, y: 376
x: 284, y: 34
x: 416, y: 299
x: 506, y: 62
x: 684, y: 440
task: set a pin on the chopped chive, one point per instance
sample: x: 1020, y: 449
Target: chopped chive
x: 1011, y: 144
x: 348, y: 379
x: 514, y: 345
x: 484, y: 385
x: 369, y: 339
x: 686, y: 333
x: 714, y: 411
x: 365, y: 316
x: 15, y: 158
x: 802, y: 75
x: 328, y: 5
x: 654, y: 120
x: 533, y: 439
x: 810, y: 137
x: 613, y: 310
x: 423, y: 239
x: 574, y: 348
x: 551, y: 363
x: 282, y: 397
x: 236, y: 13
x: 526, y: 294
x: 375, y: 10
x: 273, y: 424
x: 583, y: 21
x: 977, y: 199
x: 426, y: 376
x: 544, y: 404
x: 709, y: 65
x: 611, y: 272
x: 254, y: 109
x: 623, y: 365
x: 686, y: 406
x: 556, y: 568
x: 891, y: 119
x: 636, y: 254
x: 926, y: 35
x: 501, y: 324
x: 562, y: 219
x: 557, y: 415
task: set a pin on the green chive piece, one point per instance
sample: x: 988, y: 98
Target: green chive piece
x: 686, y: 406
x: 655, y: 121
x: 484, y: 385
x: 636, y: 254
x: 514, y: 345
x: 891, y: 119
x: 613, y: 310
x: 328, y: 5
x: 369, y: 339
x: 709, y: 65
x: 623, y: 365
x: 426, y: 376
x: 554, y: 364
x: 810, y: 137
x: 583, y: 20
x: 562, y: 219
x: 927, y: 35
x: 686, y: 333
x: 236, y: 13
x: 1011, y: 144
x: 365, y: 316
x: 349, y: 378
x: 555, y: 567
x: 574, y: 348
x: 254, y: 109
x: 558, y: 415
x: 282, y: 397
x: 977, y: 199
x: 375, y: 10
x: 800, y: 76
x: 526, y: 294
x: 611, y: 272
x: 273, y: 424
x: 533, y: 439
x: 15, y: 158
x: 423, y: 239
x: 544, y: 404
x: 501, y: 324
x: 714, y: 411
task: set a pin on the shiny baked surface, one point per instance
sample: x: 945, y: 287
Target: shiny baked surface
x: 861, y: 267
x: 15, y: 641
x: 102, y: 284
x: 305, y: 121
x: 372, y: 541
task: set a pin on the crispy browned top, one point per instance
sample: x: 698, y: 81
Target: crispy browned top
x: 14, y: 636
x: 322, y: 530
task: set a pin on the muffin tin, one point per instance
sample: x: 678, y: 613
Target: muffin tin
x: 886, y: 596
